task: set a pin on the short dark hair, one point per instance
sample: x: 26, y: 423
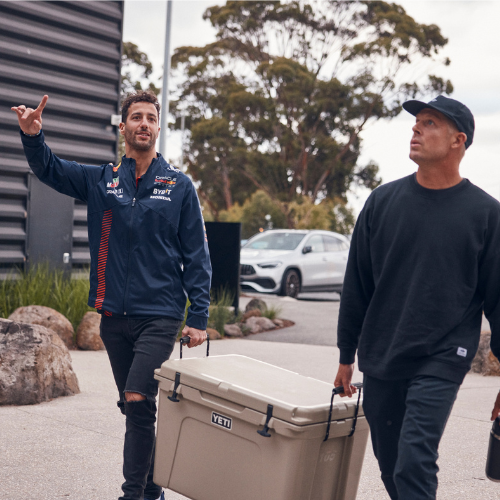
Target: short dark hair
x: 141, y: 96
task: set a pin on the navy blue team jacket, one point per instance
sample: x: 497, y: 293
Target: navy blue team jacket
x: 147, y: 243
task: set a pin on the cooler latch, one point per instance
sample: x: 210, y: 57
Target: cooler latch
x: 264, y: 432
x: 340, y: 390
x: 173, y: 397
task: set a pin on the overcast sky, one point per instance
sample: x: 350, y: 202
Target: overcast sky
x: 472, y: 30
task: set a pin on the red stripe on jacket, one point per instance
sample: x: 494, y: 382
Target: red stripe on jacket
x: 102, y: 258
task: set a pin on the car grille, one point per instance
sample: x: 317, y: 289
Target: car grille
x: 265, y: 282
x: 246, y: 270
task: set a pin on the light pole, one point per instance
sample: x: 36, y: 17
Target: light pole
x: 164, y: 92
x: 183, y: 125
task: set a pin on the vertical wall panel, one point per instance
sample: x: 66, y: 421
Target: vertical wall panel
x: 72, y: 52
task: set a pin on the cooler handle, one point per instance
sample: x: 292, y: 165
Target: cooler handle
x: 173, y: 397
x: 264, y: 431
x: 340, y: 390
x: 186, y: 340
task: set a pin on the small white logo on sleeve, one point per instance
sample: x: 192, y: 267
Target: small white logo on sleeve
x: 462, y: 352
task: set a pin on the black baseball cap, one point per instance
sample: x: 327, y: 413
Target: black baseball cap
x: 457, y: 112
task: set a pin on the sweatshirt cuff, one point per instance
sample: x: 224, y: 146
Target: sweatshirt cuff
x: 347, y: 356
x: 198, y: 322
x: 31, y: 140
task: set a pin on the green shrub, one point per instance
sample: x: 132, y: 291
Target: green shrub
x: 272, y: 312
x: 41, y: 286
x: 220, y: 310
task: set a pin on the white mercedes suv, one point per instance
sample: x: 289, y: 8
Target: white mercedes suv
x: 290, y: 261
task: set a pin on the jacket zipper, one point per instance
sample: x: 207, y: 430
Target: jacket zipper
x: 127, y: 283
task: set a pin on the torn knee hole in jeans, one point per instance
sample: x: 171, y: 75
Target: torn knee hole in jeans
x: 131, y: 396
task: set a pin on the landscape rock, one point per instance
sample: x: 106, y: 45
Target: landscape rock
x: 214, y: 334
x: 278, y: 322
x: 50, y: 318
x: 87, y: 333
x: 258, y: 325
x: 485, y: 362
x: 35, y: 365
x: 249, y: 314
x: 232, y: 331
x: 256, y: 304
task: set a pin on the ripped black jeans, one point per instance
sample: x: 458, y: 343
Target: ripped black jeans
x: 136, y: 347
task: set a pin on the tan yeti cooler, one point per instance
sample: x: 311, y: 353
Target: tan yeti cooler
x: 247, y: 430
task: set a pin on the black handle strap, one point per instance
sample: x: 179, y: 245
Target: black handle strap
x: 186, y: 340
x: 340, y: 390
x: 356, y: 411
x: 174, y: 397
x: 264, y: 431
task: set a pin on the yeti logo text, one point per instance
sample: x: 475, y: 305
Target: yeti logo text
x: 222, y: 421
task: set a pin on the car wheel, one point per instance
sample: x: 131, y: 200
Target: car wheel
x: 291, y: 284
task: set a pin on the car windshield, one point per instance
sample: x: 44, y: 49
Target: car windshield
x: 276, y: 241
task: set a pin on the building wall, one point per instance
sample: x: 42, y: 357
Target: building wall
x: 72, y: 52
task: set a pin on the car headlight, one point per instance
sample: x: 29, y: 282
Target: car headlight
x: 270, y: 265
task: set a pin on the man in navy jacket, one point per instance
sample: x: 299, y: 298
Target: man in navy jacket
x: 148, y: 250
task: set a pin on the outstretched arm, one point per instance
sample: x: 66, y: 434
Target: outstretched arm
x: 67, y: 177
x: 30, y: 120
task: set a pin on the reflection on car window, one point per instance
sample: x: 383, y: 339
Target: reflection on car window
x: 332, y: 244
x: 316, y: 243
x: 276, y: 241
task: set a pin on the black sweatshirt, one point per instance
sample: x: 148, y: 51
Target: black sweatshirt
x: 422, y: 266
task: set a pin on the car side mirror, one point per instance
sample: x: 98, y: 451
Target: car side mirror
x: 307, y: 249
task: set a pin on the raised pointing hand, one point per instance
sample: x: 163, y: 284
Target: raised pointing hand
x: 30, y: 120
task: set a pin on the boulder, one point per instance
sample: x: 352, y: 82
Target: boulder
x: 485, y: 361
x: 256, y: 304
x: 214, y: 334
x: 249, y: 314
x: 35, y: 365
x: 279, y: 322
x: 232, y: 331
x: 50, y: 318
x: 88, y: 337
x: 257, y: 325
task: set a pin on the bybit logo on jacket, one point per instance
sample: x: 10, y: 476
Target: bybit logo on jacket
x: 165, y: 185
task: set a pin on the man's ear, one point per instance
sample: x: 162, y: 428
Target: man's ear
x: 460, y: 140
x: 122, y: 128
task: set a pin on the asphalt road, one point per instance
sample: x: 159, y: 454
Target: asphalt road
x: 314, y: 314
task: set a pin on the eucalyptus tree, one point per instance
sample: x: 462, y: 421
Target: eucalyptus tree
x: 279, y: 101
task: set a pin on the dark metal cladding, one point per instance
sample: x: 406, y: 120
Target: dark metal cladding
x: 72, y: 52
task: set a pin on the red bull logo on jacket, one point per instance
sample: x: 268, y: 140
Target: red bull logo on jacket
x: 165, y: 181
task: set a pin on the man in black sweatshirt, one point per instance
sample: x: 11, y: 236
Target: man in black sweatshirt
x: 424, y: 264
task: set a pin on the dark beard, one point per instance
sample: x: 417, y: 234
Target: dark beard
x: 139, y: 145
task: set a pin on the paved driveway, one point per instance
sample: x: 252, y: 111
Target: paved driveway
x: 315, y: 316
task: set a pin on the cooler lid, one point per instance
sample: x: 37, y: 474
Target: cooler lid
x: 254, y: 384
